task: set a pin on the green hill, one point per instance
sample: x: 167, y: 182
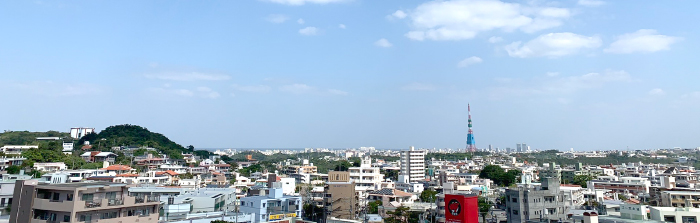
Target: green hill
x: 27, y: 138
x: 133, y: 135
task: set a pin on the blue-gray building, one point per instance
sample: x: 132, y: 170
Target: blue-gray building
x: 274, y: 206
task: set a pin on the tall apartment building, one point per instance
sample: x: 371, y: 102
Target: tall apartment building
x: 413, y: 165
x: 341, y: 201
x: 102, y: 202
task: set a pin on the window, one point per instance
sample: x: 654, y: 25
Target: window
x: 515, y: 212
x: 85, y: 217
x: 514, y: 200
x: 66, y: 218
x: 69, y: 197
x: 88, y: 197
x: 111, y: 195
x: 55, y: 196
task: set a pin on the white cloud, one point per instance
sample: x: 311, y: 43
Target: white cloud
x: 464, y: 19
x: 586, y: 81
x: 296, y: 88
x: 252, y: 88
x: 495, y: 39
x: 418, y: 87
x: 693, y: 95
x: 206, y: 92
x: 193, y: 76
x: 51, y: 88
x: 552, y: 74
x: 553, y: 45
x: 383, y: 43
x: 342, y: 26
x: 657, y: 92
x: 302, y: 2
x: 337, y: 92
x: 300, y: 21
x: 643, y: 41
x: 202, y: 92
x: 308, y: 31
x: 277, y: 18
x: 469, y: 61
x: 169, y: 91
x: 397, y: 15
x: 591, y: 3
x: 558, y: 86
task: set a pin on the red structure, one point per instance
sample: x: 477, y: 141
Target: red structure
x: 460, y: 208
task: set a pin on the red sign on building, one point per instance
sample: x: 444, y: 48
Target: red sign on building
x: 461, y: 208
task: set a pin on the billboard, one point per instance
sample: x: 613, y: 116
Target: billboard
x: 460, y: 208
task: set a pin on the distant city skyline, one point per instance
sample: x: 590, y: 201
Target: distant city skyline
x: 582, y: 74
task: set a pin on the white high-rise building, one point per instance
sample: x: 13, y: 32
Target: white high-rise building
x: 413, y: 164
x: 78, y: 133
x: 366, y: 177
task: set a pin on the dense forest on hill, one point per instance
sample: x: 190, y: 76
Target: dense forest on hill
x: 133, y: 135
x: 26, y: 137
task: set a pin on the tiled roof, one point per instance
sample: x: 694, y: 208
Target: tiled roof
x: 169, y: 172
x: 117, y: 167
x: 127, y: 175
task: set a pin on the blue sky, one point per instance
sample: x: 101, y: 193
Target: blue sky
x: 582, y: 74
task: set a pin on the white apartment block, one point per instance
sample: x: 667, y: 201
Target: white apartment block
x: 67, y: 148
x: 413, y: 164
x: 50, y: 167
x: 16, y: 149
x: 366, y: 177
x: 78, y: 133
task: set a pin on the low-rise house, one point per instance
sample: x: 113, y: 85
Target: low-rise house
x: 115, y: 170
x: 16, y: 149
x: 180, y: 169
x: 6, y: 162
x: 95, y: 156
x: 50, y: 167
x: 389, y: 195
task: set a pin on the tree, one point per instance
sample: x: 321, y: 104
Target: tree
x: 582, y: 180
x: 13, y: 169
x: 374, y: 207
x: 400, y: 215
x: 343, y: 165
x: 484, y: 207
x: 190, y: 148
x: 312, y: 212
x: 491, y: 172
x: 390, y: 174
x: 428, y: 195
x: 498, y: 175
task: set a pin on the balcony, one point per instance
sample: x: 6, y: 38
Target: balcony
x: 93, y: 204
x: 153, y: 199
x: 46, y: 204
x: 115, y: 202
x: 274, y: 210
x: 293, y: 208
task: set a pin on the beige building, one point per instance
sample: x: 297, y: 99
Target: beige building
x: 341, y: 199
x: 80, y: 202
x: 306, y: 169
